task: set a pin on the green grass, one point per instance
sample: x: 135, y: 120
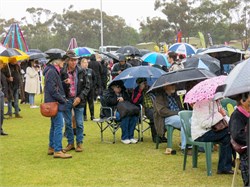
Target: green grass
x: 24, y: 160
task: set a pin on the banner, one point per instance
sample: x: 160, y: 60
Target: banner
x: 202, y: 39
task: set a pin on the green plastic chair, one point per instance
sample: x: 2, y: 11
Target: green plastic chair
x: 170, y: 129
x: 185, y: 116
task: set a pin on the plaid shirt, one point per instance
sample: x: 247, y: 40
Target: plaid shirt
x: 72, y: 88
x: 147, y: 102
x: 172, y: 103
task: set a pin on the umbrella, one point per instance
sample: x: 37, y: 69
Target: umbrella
x: 182, y: 48
x: 129, y: 76
x: 181, y: 76
x: 204, y: 90
x: 83, y: 51
x: 12, y: 53
x: 144, y: 51
x: 72, y: 44
x: 55, y: 53
x: 203, y: 61
x: 37, y: 56
x: 156, y: 58
x: 238, y: 80
x: 225, y: 54
x: 129, y: 50
x: 114, y: 56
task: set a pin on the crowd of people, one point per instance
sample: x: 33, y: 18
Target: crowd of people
x: 73, y: 82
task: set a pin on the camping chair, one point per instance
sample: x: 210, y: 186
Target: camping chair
x: 107, y: 123
x: 170, y: 129
x: 185, y: 116
x: 143, y: 120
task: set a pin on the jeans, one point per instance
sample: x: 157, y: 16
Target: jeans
x: 68, y: 122
x: 1, y: 110
x: 55, y: 135
x: 128, y: 124
x: 223, y: 138
x: 31, y: 98
x: 176, y: 123
x: 16, y: 98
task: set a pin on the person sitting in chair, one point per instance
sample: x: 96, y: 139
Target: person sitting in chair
x: 117, y: 93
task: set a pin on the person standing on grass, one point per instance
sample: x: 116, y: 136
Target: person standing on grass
x: 90, y: 98
x: 53, y: 92
x: 2, y: 133
x: 76, y: 87
x: 32, y: 84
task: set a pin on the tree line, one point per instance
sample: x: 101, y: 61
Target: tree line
x: 223, y: 20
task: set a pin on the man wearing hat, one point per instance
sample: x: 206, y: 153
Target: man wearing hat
x: 54, y: 92
x: 120, y: 66
x: 76, y: 86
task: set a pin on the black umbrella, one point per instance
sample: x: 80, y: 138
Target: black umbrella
x: 180, y: 76
x: 225, y: 54
x: 129, y: 50
x: 55, y: 53
x: 36, y: 56
x: 203, y: 61
x: 144, y: 51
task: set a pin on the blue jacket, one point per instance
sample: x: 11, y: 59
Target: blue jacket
x: 53, y: 89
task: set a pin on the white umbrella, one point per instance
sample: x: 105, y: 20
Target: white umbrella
x: 238, y: 80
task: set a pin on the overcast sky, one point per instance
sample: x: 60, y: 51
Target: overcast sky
x: 130, y: 10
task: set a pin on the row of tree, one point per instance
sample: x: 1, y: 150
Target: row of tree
x: 224, y: 20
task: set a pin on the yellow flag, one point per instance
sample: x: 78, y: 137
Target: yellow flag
x: 202, y: 39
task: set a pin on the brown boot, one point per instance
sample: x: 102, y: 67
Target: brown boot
x: 69, y: 147
x: 60, y: 154
x: 79, y: 148
x: 50, y: 151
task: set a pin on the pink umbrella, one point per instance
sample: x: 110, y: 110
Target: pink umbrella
x: 72, y: 44
x: 204, y: 90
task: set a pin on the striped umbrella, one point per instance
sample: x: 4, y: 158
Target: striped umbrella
x: 182, y: 48
x: 83, y: 51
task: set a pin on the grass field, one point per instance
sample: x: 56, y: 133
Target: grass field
x: 24, y: 160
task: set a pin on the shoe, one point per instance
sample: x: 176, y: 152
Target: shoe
x: 60, y: 154
x: 127, y: 141
x: 92, y: 117
x: 79, y: 148
x: 4, y: 134
x: 85, y: 118
x: 6, y: 114
x: 230, y: 172
x: 69, y: 147
x: 18, y: 116
x: 189, y: 152
x: 50, y: 151
x: 164, y: 139
x: 133, y: 140
x: 34, y: 106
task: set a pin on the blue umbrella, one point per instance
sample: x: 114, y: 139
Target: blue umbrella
x: 129, y: 76
x: 84, y: 51
x: 156, y: 58
x: 182, y: 48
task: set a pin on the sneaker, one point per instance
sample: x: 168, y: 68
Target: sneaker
x: 127, y: 141
x: 18, y: 116
x: 34, y: 106
x: 133, y: 140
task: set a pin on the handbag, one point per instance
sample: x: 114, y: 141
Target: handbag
x: 49, y: 109
x: 237, y: 147
x: 222, y: 124
x: 127, y: 108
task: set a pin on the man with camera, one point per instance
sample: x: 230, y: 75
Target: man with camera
x: 120, y: 66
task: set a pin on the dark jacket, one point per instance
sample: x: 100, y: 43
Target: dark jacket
x: 92, y: 78
x: 53, y: 89
x: 82, y: 84
x: 97, y: 68
x: 237, y: 126
x: 118, y: 67
x: 161, y: 111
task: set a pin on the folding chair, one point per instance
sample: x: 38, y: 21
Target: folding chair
x: 143, y: 120
x: 107, y: 123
